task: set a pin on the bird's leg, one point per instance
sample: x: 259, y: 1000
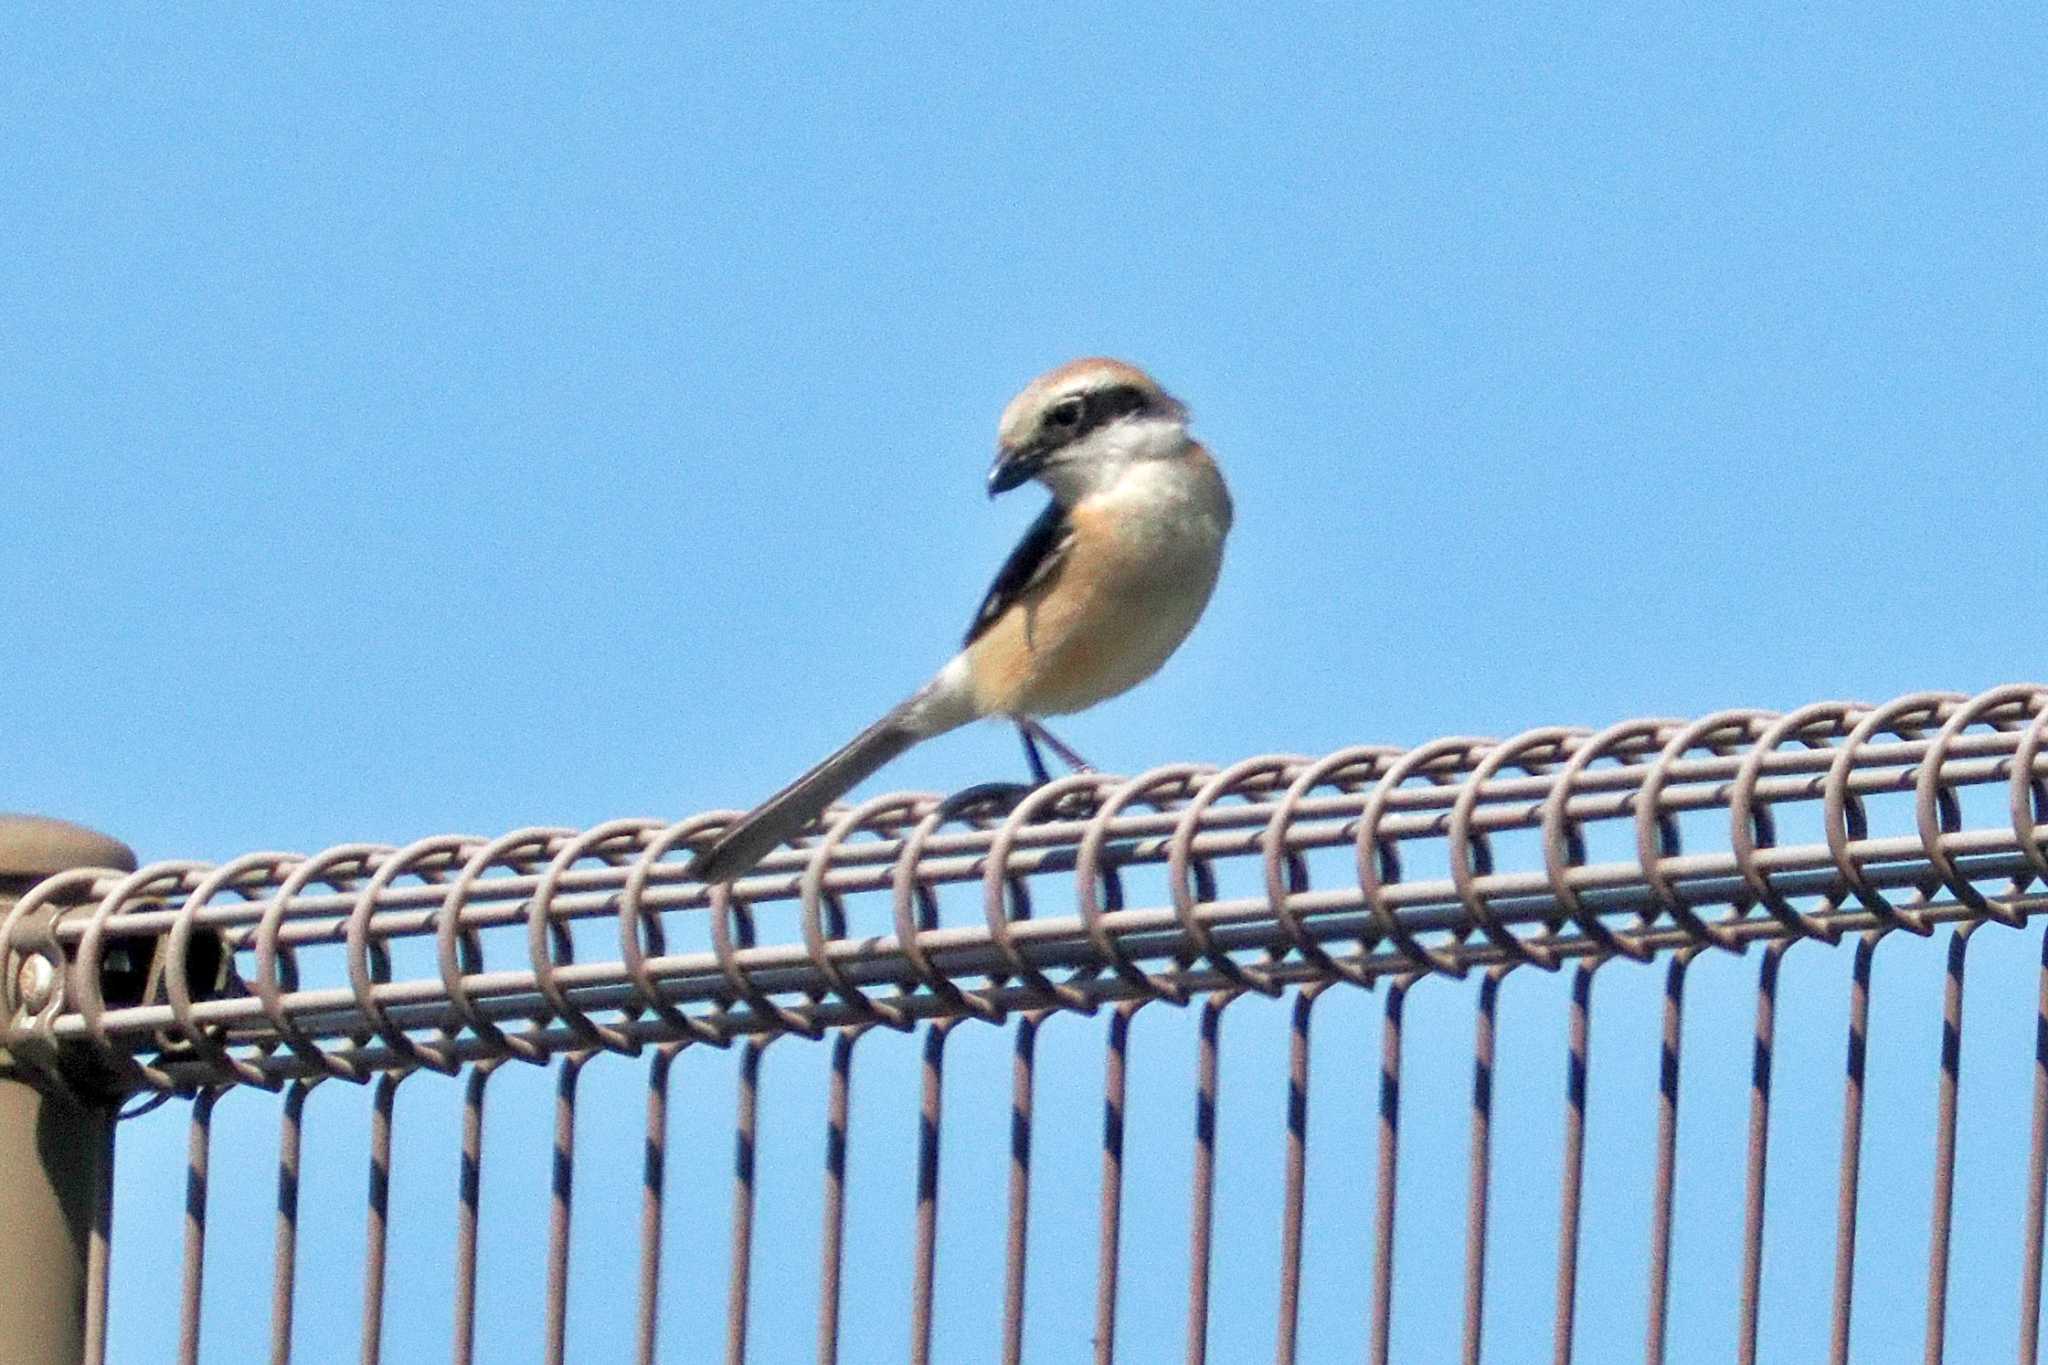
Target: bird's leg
x: 1032, y: 759
x: 1031, y: 730
x: 1004, y: 796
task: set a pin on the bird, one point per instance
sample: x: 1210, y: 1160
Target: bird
x: 1103, y: 587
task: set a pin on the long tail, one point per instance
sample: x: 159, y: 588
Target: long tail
x: 784, y: 814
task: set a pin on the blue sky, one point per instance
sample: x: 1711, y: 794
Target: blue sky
x: 479, y: 418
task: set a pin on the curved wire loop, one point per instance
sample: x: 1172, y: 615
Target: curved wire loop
x: 1843, y: 815
x: 732, y: 931
x: 1658, y: 841
x: 1534, y: 752
x: 1006, y: 896
x: 1938, y: 812
x: 279, y: 915
x: 1098, y: 881
x: 641, y: 932
x: 548, y: 943
x: 211, y: 1043
x: 1752, y: 827
x: 2026, y: 795
x: 1349, y: 771
x: 157, y: 878
x: 1191, y: 880
x: 276, y: 968
x: 459, y: 950
x: 1379, y: 855
x: 369, y: 959
x: 914, y: 909
x: 824, y: 913
x: 1564, y: 843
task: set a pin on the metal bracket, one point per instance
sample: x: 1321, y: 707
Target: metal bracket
x: 32, y: 984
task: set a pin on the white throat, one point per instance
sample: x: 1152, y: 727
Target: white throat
x: 1101, y: 461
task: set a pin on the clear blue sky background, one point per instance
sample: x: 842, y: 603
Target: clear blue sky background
x: 469, y: 419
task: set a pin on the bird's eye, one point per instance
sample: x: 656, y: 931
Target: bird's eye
x: 1067, y: 412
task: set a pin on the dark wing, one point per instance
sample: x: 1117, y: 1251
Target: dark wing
x: 1036, y: 558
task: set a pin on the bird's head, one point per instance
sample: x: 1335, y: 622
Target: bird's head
x: 1075, y: 427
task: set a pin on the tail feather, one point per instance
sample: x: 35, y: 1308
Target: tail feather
x: 784, y: 814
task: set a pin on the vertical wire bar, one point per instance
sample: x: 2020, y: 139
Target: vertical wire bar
x: 1945, y: 1143
x: 1116, y: 1055
x: 739, y: 1291
x: 1576, y: 1067
x: 1481, y: 1161
x: 285, y: 1253
x: 832, y: 1243
x: 384, y: 1097
x: 1389, y: 1169
x: 2037, y: 1180
x: 1666, y: 1181
x: 197, y: 1154
x: 99, y: 1251
x: 930, y: 1101
x: 1852, y: 1144
x: 1017, y: 1236
x: 561, y: 1202
x: 1297, y: 1174
x: 653, y: 1173
x: 1759, y: 1147
x: 468, y: 1193
x: 1202, y: 1196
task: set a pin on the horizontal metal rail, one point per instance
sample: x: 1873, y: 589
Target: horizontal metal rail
x: 1279, y: 823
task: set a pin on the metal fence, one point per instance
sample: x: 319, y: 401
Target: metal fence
x: 1655, y: 845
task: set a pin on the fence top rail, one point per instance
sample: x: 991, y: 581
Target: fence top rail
x: 1553, y: 845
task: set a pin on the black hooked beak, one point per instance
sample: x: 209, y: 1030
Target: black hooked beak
x: 1015, y: 467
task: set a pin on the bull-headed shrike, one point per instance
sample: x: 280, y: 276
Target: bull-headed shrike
x: 1103, y: 587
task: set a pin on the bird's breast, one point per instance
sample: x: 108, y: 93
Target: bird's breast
x: 1144, y: 560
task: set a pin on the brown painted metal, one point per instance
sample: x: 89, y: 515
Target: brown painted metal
x: 746, y: 1126
x: 35, y: 847
x: 1017, y: 1219
x: 376, y: 1232
x: 469, y: 1211
x: 1109, y: 1218
x: 1578, y: 1062
x: 1029, y: 958
x: 930, y: 1109
x: 1382, y: 1329
x: 1850, y: 1184
x: 2037, y: 1180
x: 1294, y: 1197
x: 1480, y: 1163
x: 1663, y: 1193
x: 1943, y: 1203
x: 56, y: 1156
x: 832, y: 1243
x: 653, y: 1186
x: 1202, y: 1198
x: 284, y: 1256
x: 1757, y: 1168
x: 561, y: 1208
x: 56, y: 1147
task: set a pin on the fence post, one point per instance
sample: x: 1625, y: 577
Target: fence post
x: 56, y: 1148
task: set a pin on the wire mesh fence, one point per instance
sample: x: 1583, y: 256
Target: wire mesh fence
x: 1044, y: 1000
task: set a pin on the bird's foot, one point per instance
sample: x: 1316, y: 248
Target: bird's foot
x: 983, y: 799
x: 995, y: 800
